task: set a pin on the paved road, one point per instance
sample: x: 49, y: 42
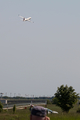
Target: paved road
x: 21, y: 105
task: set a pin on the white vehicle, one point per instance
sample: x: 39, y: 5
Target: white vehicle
x: 26, y: 19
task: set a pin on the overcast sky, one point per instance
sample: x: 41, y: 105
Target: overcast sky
x: 36, y: 58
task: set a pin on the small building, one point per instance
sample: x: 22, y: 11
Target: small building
x: 3, y: 101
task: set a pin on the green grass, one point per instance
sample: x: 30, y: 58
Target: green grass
x: 24, y: 114
x: 72, y: 115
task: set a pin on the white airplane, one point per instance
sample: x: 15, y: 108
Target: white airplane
x: 50, y: 111
x: 26, y: 19
x: 47, y: 110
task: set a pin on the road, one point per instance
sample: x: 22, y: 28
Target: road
x: 20, y: 106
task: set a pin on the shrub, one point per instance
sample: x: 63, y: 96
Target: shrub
x: 48, y: 102
x: 78, y: 111
x: 5, y: 110
x: 14, y: 108
x: 1, y: 107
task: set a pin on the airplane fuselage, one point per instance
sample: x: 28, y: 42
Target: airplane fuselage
x: 27, y: 19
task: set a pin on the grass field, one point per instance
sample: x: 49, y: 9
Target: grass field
x: 24, y: 114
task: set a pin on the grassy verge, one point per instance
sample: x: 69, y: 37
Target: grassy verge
x: 24, y: 114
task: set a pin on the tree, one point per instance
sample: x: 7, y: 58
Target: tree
x: 1, y: 107
x: 66, y: 97
x: 14, y: 108
x: 54, y: 100
x: 48, y: 102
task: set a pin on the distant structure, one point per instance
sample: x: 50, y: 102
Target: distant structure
x: 1, y: 95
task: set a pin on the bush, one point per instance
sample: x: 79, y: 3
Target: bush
x: 0, y: 110
x: 14, y: 108
x: 1, y: 107
x: 5, y: 110
x: 78, y: 111
x: 48, y: 102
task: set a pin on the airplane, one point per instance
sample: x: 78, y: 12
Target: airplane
x: 48, y: 111
x: 26, y: 19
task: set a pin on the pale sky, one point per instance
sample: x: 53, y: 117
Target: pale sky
x: 36, y: 58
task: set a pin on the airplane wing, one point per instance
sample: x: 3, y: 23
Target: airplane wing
x: 54, y: 112
x: 20, y: 16
x: 50, y: 111
x: 30, y: 21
